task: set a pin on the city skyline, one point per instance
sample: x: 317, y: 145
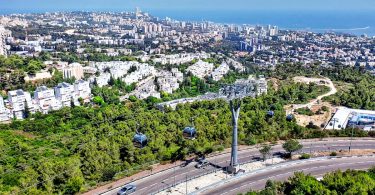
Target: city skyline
x: 20, y: 6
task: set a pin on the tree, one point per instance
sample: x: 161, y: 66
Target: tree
x: 265, y: 151
x: 98, y: 100
x: 72, y: 105
x: 80, y: 100
x: 27, y: 110
x: 291, y: 146
x: 305, y: 184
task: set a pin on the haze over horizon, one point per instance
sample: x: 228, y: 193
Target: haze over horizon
x: 160, y: 5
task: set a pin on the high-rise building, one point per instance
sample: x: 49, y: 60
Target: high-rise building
x: 45, y: 99
x: 4, y: 112
x: 73, y: 70
x: 64, y: 93
x: 82, y: 90
x: 19, y: 100
x: 3, y: 35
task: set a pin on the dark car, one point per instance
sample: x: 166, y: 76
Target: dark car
x: 128, y: 189
x: 202, y: 163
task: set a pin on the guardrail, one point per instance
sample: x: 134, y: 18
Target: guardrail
x: 331, y: 149
x: 170, y: 168
x: 186, y: 180
x: 197, y: 176
x: 289, y: 163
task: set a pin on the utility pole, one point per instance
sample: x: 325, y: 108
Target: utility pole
x: 174, y: 175
x: 186, y: 185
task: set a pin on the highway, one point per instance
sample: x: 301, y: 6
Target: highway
x: 153, y: 183
x: 315, y: 167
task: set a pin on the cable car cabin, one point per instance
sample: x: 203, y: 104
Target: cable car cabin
x: 290, y: 117
x: 140, y: 140
x: 189, y: 133
x: 270, y: 113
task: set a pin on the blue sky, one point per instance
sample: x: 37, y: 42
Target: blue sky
x: 150, y: 5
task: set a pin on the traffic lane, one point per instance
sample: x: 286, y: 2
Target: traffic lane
x: 317, y: 172
x: 161, y: 184
x: 178, y: 176
x: 257, y: 181
x: 245, y: 156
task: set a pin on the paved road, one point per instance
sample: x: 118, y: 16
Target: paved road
x: 159, y: 181
x: 315, y: 167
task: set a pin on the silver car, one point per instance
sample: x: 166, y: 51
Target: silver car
x: 201, y: 164
x: 128, y: 189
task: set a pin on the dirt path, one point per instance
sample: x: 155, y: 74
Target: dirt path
x: 320, y: 81
x: 314, y: 104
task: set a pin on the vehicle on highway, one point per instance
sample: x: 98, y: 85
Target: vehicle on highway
x: 128, y: 189
x: 201, y: 164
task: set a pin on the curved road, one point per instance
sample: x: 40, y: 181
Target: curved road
x: 153, y: 183
x: 316, y: 167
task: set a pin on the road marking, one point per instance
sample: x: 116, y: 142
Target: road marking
x: 265, y: 169
x: 291, y: 172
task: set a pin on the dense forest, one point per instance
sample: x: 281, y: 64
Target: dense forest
x: 338, y: 182
x: 72, y: 149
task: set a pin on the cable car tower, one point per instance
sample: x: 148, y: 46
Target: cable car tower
x: 234, y: 94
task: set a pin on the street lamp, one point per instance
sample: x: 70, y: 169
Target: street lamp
x: 234, y: 94
x: 351, y: 138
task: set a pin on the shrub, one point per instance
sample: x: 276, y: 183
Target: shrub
x: 305, y: 156
x: 324, y: 108
x: 333, y: 153
x: 305, y: 111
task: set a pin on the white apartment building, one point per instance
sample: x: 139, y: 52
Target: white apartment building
x: 167, y: 82
x: 180, y: 58
x: 102, y: 80
x: 64, y: 93
x: 145, y: 89
x: 220, y: 71
x: 73, y: 70
x: 4, y: 112
x: 236, y: 65
x: 45, y: 99
x: 18, y: 100
x: 82, y: 90
x: 3, y: 35
x: 89, y: 70
x: 143, y: 71
x: 179, y: 75
x: 201, y: 69
x: 119, y: 71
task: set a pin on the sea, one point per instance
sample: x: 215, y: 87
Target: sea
x: 350, y: 22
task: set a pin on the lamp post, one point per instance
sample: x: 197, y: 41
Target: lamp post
x: 351, y: 138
